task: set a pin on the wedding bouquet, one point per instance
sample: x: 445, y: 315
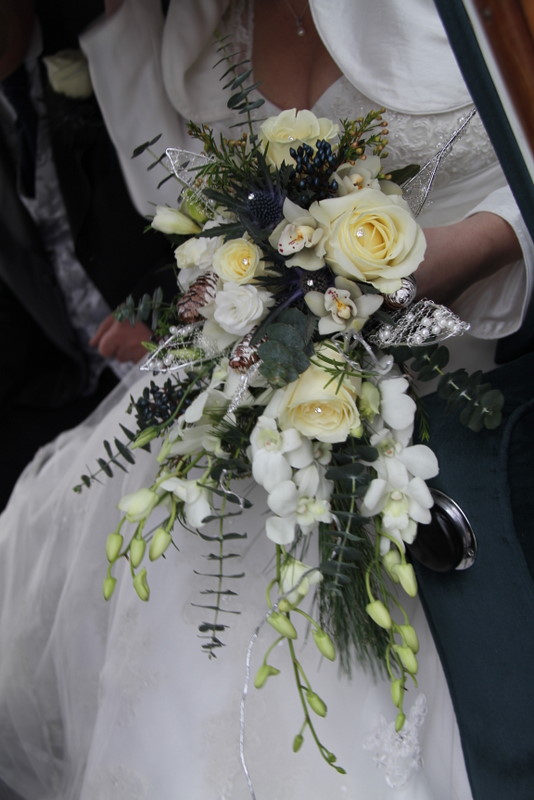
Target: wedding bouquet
x: 289, y: 358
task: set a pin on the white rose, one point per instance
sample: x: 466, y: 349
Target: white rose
x: 237, y: 309
x: 319, y: 406
x: 170, y: 220
x: 292, y: 128
x: 371, y: 237
x: 237, y: 260
x: 196, y: 252
x: 68, y: 74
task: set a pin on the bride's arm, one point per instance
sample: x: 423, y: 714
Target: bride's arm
x: 461, y: 254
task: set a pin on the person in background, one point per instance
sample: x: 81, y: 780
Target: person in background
x: 72, y: 246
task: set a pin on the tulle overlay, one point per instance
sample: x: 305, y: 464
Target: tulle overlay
x: 117, y: 700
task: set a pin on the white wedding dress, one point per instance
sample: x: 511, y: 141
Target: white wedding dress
x: 117, y: 700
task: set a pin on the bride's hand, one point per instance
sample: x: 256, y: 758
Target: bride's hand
x: 458, y: 255
x: 121, y: 340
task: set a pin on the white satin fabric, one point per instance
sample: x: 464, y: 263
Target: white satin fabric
x: 116, y: 701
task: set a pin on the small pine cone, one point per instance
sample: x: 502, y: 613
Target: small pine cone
x: 200, y: 294
x: 244, y: 354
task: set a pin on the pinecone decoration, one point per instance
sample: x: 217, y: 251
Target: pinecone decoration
x: 200, y: 294
x: 244, y: 354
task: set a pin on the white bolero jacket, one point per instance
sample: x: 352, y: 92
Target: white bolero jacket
x: 151, y: 75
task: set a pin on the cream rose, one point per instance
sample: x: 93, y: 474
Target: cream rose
x: 371, y: 237
x: 317, y: 405
x: 292, y: 128
x: 237, y: 260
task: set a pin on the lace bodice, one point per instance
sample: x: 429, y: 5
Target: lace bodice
x: 414, y: 138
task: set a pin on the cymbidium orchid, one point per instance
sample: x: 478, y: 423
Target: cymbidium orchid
x: 299, y: 237
x: 342, y: 307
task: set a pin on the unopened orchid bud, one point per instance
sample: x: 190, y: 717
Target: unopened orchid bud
x: 282, y: 624
x: 265, y: 672
x: 406, y: 575
x: 159, y: 543
x: 324, y: 644
x: 409, y: 637
x: 140, y: 585
x: 397, y: 692
x: 298, y: 742
x: 316, y: 704
x: 137, y: 551
x: 379, y: 614
x: 400, y: 720
x: 114, y: 544
x: 391, y: 561
x: 407, y: 658
x: 109, y: 586
x: 145, y: 437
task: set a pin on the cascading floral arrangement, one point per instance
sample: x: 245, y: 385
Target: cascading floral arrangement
x: 289, y: 357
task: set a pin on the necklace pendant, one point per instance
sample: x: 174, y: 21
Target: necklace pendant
x: 301, y: 30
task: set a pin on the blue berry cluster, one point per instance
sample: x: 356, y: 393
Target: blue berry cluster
x: 311, y: 176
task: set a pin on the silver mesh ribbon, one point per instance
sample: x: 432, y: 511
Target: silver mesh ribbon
x: 185, y: 164
x: 425, y: 322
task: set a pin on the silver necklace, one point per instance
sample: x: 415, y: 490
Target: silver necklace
x: 300, y: 30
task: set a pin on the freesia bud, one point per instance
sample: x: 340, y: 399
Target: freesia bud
x: 297, y: 742
x: 140, y: 585
x: 109, y: 586
x: 379, y: 614
x: 407, y: 658
x: 159, y: 543
x: 324, y: 644
x: 137, y: 551
x: 282, y: 624
x: 406, y: 576
x: 263, y: 674
x: 170, y: 220
x: 316, y: 704
x: 113, y: 546
x: 409, y: 637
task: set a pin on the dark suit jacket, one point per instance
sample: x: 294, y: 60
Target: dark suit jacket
x: 110, y: 244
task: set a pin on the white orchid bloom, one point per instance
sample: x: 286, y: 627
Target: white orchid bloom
x: 194, y: 497
x: 303, y: 504
x: 342, y: 307
x: 396, y: 407
x: 400, y: 500
x: 270, y: 449
x: 418, y: 459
